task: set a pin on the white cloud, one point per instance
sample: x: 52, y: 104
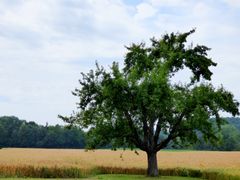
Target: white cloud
x: 145, y: 10
x: 169, y: 2
x: 44, y: 45
x: 233, y: 3
x: 202, y: 10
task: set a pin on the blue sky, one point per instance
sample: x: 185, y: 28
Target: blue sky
x: 45, y: 44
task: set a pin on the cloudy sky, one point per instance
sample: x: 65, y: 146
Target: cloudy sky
x: 45, y: 44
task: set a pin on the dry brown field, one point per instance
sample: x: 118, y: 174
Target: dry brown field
x: 227, y: 162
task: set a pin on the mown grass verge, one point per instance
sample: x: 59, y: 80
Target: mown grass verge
x: 72, y: 172
x: 115, y: 177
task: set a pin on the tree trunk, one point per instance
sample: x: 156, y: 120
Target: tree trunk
x: 152, y: 164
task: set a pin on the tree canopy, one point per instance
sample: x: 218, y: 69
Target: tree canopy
x: 131, y: 106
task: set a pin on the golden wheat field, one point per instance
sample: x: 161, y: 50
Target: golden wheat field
x: 227, y: 162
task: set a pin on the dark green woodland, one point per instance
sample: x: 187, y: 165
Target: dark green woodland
x: 20, y: 133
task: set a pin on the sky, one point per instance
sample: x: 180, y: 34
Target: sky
x: 46, y: 44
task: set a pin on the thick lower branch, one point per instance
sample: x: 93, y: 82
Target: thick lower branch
x: 137, y: 141
x: 165, y: 142
x: 151, y: 136
x: 158, y: 130
x: 172, y: 135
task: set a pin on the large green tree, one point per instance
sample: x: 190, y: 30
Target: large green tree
x: 133, y: 105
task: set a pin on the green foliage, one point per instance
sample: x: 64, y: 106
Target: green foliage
x: 19, y: 133
x: 133, y: 105
x: 235, y: 121
x: 228, y: 140
x: 139, y: 177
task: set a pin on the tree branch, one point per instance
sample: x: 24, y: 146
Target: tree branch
x: 137, y: 141
x: 157, y: 132
x: 171, y: 135
x: 151, y: 136
x: 145, y: 127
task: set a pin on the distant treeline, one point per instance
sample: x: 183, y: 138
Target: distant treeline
x: 229, y: 138
x: 20, y: 133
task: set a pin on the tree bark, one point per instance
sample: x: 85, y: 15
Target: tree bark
x: 152, y: 164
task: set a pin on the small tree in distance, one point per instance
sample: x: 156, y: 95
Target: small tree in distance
x: 132, y: 106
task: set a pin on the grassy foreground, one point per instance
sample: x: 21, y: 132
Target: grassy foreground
x: 136, y: 177
x: 117, y: 177
x: 66, y: 163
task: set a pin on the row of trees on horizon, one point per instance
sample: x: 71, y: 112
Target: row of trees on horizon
x: 20, y: 133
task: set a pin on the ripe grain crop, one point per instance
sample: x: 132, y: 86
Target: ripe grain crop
x: 214, y: 161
